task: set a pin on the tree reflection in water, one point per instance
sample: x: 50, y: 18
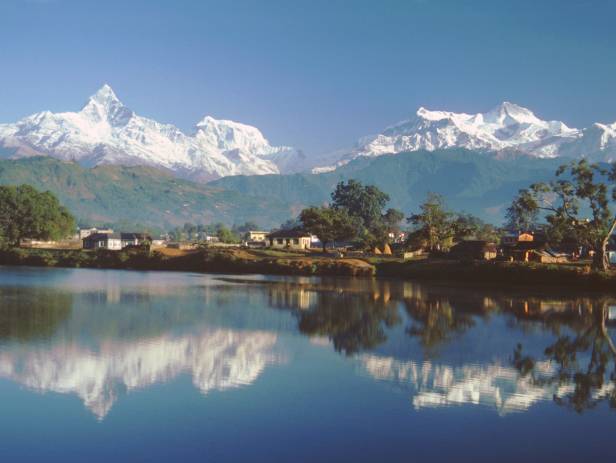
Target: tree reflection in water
x: 33, y: 313
x: 353, y: 322
x: 584, y: 358
x: 579, y: 365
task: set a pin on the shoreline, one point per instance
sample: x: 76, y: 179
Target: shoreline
x: 566, y: 278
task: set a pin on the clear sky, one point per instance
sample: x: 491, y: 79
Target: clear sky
x: 313, y: 74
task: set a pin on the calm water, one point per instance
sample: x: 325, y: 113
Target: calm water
x: 130, y: 366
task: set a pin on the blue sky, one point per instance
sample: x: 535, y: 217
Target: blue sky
x: 313, y: 74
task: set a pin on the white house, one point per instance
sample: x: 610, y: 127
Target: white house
x: 290, y: 239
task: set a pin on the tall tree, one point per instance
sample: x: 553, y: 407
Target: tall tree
x: 468, y: 226
x: 28, y: 213
x: 329, y: 224
x: 522, y: 214
x: 578, y: 187
x: 434, y: 224
x: 364, y: 201
x: 366, y: 204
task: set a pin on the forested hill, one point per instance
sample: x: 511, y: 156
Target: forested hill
x: 470, y: 181
x: 129, y: 196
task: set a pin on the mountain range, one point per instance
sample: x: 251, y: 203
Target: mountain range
x: 105, y: 131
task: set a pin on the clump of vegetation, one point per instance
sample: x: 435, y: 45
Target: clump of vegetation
x: 356, y: 213
x: 436, y: 228
x: 579, y: 188
x: 28, y: 213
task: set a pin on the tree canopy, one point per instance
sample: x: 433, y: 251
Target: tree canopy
x: 437, y: 228
x: 329, y: 224
x: 28, y: 213
x: 365, y: 203
x: 575, y: 205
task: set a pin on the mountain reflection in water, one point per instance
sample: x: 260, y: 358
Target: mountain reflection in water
x: 101, y: 334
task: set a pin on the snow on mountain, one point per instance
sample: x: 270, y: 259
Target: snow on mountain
x: 506, y: 128
x: 597, y: 142
x: 107, y: 132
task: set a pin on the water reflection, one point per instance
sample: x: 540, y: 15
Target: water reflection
x: 575, y: 365
x: 97, y: 347
x: 216, y: 360
x: 117, y: 332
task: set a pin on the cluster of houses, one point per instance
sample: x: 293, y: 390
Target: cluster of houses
x: 281, y: 239
x: 524, y: 246
x: 94, y: 238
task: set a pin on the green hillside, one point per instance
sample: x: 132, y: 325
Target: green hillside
x: 470, y: 181
x: 139, y: 195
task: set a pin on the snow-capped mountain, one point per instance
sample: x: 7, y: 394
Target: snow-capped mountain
x: 107, y: 132
x: 508, y: 128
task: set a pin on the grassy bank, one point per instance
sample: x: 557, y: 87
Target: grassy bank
x: 244, y: 261
x: 206, y: 260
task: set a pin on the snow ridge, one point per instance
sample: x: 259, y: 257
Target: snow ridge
x: 105, y: 131
x: 507, y: 128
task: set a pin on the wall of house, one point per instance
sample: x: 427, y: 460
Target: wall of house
x: 290, y: 243
x: 112, y: 244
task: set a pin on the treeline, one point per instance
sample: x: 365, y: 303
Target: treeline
x: 192, y: 232
x: 357, y: 213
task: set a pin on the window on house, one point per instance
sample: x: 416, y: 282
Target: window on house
x: 280, y: 241
x: 295, y: 241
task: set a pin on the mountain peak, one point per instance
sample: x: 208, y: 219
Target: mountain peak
x: 507, y: 112
x: 105, y: 96
x: 105, y: 105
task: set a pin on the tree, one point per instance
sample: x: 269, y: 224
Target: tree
x: 225, y: 235
x: 245, y: 228
x: 291, y: 224
x: 28, y: 213
x: 584, y: 358
x: 434, y: 224
x: 579, y: 186
x: 329, y: 224
x: 522, y: 214
x: 365, y: 203
x: 468, y: 226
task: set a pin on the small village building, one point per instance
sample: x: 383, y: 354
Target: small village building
x: 109, y: 241
x: 134, y: 239
x: 256, y: 238
x: 114, y: 241
x: 85, y: 232
x: 474, y: 250
x: 520, y: 246
x: 252, y: 236
x: 290, y: 239
x: 546, y: 256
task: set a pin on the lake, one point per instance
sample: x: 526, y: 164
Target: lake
x: 104, y: 365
